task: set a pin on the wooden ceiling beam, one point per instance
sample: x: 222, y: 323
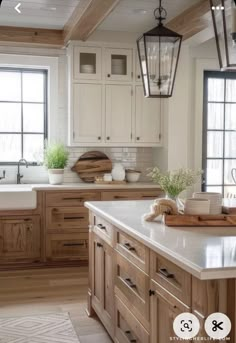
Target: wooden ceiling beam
x: 34, y: 37
x: 83, y: 23
x: 193, y: 20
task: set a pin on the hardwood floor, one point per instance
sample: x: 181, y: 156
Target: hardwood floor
x: 35, y: 291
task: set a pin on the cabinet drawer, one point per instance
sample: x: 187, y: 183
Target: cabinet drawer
x: 104, y: 230
x: 140, y: 195
x: 56, y: 199
x: 133, y: 250
x: 171, y: 277
x: 132, y: 286
x: 67, y: 247
x: 128, y: 329
x: 66, y: 219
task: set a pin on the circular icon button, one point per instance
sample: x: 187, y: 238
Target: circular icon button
x: 186, y: 325
x: 217, y: 325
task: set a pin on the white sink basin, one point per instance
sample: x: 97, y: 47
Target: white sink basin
x: 17, y: 197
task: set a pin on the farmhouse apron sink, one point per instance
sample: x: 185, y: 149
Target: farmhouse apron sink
x: 17, y: 197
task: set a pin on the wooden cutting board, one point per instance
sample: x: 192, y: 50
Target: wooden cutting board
x: 91, y: 165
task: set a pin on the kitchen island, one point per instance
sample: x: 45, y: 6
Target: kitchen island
x: 142, y: 275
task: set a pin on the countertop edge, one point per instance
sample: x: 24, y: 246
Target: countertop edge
x: 188, y: 266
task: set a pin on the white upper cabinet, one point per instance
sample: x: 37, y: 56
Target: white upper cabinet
x: 87, y: 113
x: 87, y: 63
x: 118, y: 64
x: 148, y: 118
x: 118, y: 113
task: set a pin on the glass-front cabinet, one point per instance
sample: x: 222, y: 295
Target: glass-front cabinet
x: 87, y: 63
x: 118, y: 64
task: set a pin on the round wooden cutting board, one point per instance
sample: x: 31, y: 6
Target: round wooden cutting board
x: 92, y: 164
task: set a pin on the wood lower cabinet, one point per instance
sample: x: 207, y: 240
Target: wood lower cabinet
x: 164, y: 308
x: 20, y: 239
x: 137, y: 293
x: 103, y: 282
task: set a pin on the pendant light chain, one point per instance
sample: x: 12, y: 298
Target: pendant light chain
x: 160, y: 13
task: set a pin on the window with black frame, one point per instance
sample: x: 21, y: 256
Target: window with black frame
x: 23, y: 114
x: 219, y: 133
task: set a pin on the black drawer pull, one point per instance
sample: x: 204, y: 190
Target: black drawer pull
x: 120, y: 197
x: 99, y: 245
x: 130, y: 283
x: 68, y: 218
x: 164, y: 272
x: 69, y: 199
x: 129, y: 247
x: 102, y: 227
x: 73, y: 244
x: 133, y: 340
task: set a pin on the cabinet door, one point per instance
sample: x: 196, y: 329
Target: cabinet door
x: 103, y: 283
x: 87, y: 63
x: 118, y: 114
x: 118, y: 64
x: 19, y: 239
x: 87, y: 113
x: 148, y: 118
x: 164, y: 309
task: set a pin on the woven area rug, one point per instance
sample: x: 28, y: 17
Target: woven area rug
x: 49, y: 328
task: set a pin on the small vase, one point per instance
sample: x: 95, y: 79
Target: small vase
x: 177, y: 200
x: 118, y: 172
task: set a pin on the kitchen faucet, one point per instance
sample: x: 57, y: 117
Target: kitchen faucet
x: 3, y: 175
x: 19, y: 176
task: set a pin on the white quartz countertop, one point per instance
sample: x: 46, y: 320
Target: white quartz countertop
x: 82, y: 186
x: 205, y: 252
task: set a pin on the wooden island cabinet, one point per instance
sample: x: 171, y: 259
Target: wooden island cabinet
x: 56, y: 232
x: 137, y: 293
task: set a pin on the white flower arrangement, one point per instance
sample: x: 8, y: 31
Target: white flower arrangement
x: 174, y: 182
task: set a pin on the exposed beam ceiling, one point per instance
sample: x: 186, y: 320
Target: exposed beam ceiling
x: 32, y: 36
x: 193, y: 20
x: 81, y: 25
x: 85, y: 19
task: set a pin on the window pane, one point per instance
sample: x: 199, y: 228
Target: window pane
x: 33, y: 115
x: 215, y: 90
x: 33, y: 147
x: 230, y: 117
x: 215, y: 144
x: 230, y: 191
x: 229, y: 165
x: 230, y: 144
x: 10, y: 148
x: 215, y: 116
x: 10, y: 115
x: 231, y: 90
x: 10, y: 86
x: 214, y: 173
x: 33, y: 87
x: 216, y: 189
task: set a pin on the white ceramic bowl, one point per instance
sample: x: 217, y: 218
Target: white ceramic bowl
x: 132, y: 176
x: 197, y: 206
x: 215, y: 200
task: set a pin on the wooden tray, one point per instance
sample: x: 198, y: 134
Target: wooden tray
x: 200, y: 220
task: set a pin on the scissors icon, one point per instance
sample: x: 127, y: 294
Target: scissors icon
x: 217, y: 325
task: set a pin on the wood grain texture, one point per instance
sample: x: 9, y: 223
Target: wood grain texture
x: 32, y: 36
x: 220, y: 220
x: 82, y: 24
x: 92, y: 164
x: 193, y: 20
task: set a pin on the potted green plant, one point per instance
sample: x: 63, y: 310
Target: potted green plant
x: 55, y: 159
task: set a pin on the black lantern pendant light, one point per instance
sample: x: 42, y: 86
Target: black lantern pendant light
x: 224, y: 22
x: 159, y: 51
